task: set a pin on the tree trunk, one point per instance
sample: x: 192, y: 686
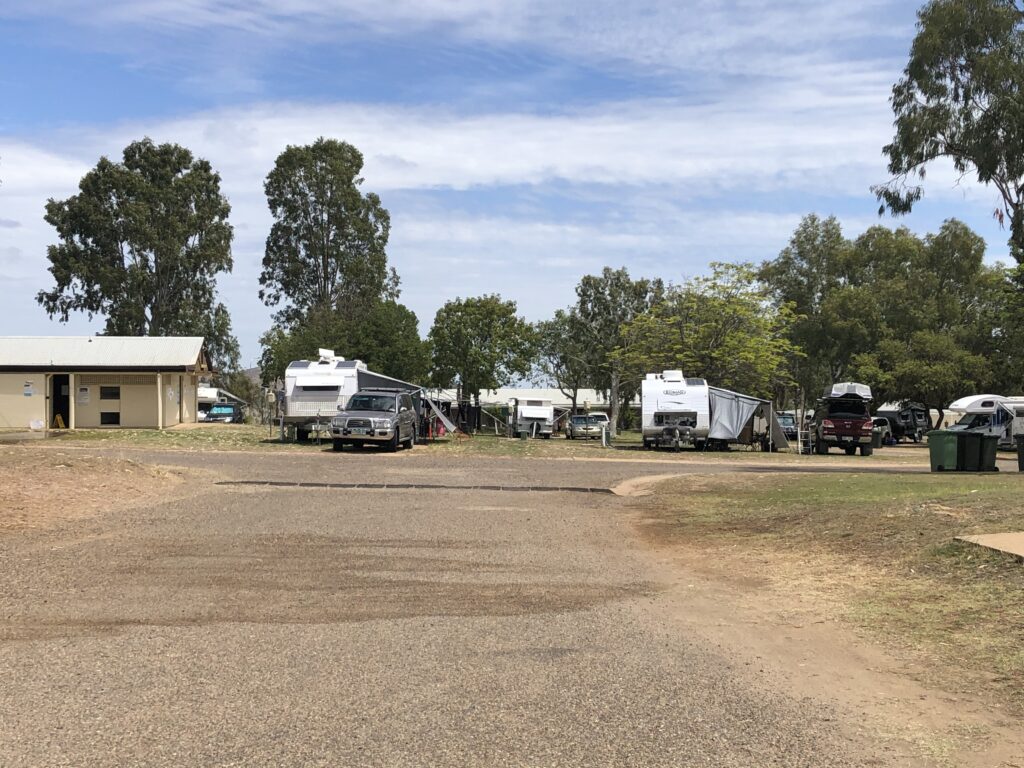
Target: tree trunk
x: 613, y: 402
x: 939, y: 418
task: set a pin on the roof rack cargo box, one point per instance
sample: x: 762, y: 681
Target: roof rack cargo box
x: 848, y: 389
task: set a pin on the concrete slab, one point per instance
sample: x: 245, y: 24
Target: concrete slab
x: 1010, y: 543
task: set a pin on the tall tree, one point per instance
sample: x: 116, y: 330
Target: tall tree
x: 327, y: 246
x: 142, y: 244
x: 605, y: 304
x: 937, y: 299
x: 723, y: 328
x: 837, y: 317
x: 563, y: 353
x: 960, y: 99
x: 480, y: 343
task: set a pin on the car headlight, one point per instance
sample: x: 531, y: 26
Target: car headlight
x: 338, y: 421
x: 382, y: 423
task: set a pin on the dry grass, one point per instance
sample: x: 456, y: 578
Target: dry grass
x: 877, y: 551
x: 42, y: 487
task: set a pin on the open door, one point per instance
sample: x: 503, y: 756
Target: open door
x: 60, y: 401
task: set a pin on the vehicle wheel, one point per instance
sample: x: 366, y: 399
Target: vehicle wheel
x: 337, y: 445
x: 917, y: 436
x: 866, y: 450
x: 820, y: 447
x: 392, y: 444
x: 412, y: 440
x: 851, y: 450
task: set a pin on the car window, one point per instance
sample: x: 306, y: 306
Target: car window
x: 579, y: 419
x: 372, y: 403
x: 786, y: 419
x: 850, y: 409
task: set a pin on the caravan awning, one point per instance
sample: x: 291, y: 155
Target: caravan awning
x: 730, y: 412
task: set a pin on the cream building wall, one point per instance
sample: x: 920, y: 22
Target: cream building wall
x: 136, y: 404
x: 18, y: 411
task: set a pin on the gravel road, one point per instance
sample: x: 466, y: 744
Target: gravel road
x: 253, y: 626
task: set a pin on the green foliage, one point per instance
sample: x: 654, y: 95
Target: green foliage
x: 326, y: 248
x: 385, y: 337
x: 141, y: 244
x: 929, y: 367
x: 480, y: 343
x: 605, y: 304
x: 960, y: 99
x: 913, y: 317
x: 835, y: 319
x: 563, y: 352
x: 723, y: 328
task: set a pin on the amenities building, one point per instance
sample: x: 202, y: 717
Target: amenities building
x: 92, y: 382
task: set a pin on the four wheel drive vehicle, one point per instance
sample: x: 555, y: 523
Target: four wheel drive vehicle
x: 910, y: 422
x: 376, y: 417
x: 841, y: 419
x: 586, y: 426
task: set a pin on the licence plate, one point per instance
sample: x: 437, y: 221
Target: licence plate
x: 359, y: 431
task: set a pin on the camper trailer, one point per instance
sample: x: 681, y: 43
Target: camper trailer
x: 676, y: 411
x: 679, y: 411
x: 535, y: 418
x: 315, y: 390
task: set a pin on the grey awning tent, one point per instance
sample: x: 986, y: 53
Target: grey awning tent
x: 731, y: 411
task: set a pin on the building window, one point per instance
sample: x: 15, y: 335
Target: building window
x: 110, y: 418
x: 110, y: 393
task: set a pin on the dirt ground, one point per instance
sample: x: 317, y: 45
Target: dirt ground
x: 847, y: 602
x: 43, y: 486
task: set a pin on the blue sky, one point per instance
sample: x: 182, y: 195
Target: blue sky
x: 517, y: 145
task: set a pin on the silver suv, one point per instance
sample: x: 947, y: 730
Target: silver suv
x: 376, y: 417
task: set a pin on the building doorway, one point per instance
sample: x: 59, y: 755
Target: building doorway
x: 60, y: 401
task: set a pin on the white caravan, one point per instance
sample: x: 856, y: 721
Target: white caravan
x: 535, y: 418
x: 315, y: 389
x: 990, y: 415
x: 675, y: 410
x: 680, y: 411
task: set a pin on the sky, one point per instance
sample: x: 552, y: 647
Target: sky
x: 518, y: 145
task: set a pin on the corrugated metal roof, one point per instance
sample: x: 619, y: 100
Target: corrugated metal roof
x: 100, y: 352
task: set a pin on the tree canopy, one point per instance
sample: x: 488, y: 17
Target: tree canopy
x: 722, y: 327
x: 385, y: 337
x: 960, y: 99
x: 327, y: 245
x: 142, y: 244
x: 563, y: 353
x: 480, y: 343
x: 605, y: 304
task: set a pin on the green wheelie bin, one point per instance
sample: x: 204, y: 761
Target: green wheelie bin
x: 989, y: 448
x: 944, y: 450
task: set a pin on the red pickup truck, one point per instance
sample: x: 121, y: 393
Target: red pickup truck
x: 841, y: 419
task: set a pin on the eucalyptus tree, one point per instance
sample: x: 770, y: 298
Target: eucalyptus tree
x: 605, y: 304
x: 327, y: 245
x: 141, y: 244
x: 960, y: 99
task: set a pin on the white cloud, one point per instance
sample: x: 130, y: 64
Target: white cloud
x: 719, y: 36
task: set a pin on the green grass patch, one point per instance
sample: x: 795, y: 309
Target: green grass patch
x: 883, y: 547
